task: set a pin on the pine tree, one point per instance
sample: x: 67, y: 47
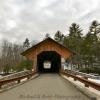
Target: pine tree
x: 27, y: 62
x: 75, y: 31
x: 94, y: 30
x: 26, y: 44
x: 75, y: 37
x: 91, y: 43
x: 59, y: 37
x: 47, y: 35
x: 74, y: 42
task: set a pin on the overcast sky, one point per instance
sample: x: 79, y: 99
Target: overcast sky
x: 34, y: 18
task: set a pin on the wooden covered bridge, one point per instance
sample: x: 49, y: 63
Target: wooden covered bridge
x: 49, y: 86
x: 47, y: 50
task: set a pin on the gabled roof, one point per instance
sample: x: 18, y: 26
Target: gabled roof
x: 50, y: 39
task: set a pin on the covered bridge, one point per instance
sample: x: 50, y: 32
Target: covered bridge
x: 47, y: 50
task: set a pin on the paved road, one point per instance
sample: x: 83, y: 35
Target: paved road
x: 45, y: 87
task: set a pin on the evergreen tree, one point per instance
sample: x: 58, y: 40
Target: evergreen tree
x: 75, y: 31
x: 26, y: 44
x: 91, y: 43
x: 47, y: 35
x: 59, y: 37
x: 87, y: 47
x: 95, y: 27
x: 75, y: 37
x: 74, y: 41
x: 26, y: 62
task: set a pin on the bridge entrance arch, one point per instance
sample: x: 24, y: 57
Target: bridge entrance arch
x: 48, y: 61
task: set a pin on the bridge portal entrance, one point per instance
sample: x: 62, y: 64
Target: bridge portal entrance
x: 48, y: 61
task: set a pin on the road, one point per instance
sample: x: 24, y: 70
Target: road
x: 44, y: 87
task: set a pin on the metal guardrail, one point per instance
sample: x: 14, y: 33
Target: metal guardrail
x: 17, y: 77
x: 84, y: 80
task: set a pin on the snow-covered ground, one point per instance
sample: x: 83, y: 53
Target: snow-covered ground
x: 89, y: 90
x: 0, y: 76
x: 94, y: 80
x: 23, y: 79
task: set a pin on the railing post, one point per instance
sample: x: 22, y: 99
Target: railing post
x: 0, y: 86
x: 28, y: 77
x: 86, y: 79
x: 86, y: 85
x: 67, y: 75
x: 93, y: 98
x: 18, y: 81
x: 75, y: 79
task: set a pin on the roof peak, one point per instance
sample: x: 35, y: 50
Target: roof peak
x: 46, y: 39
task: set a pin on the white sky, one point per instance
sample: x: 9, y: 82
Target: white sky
x: 34, y: 18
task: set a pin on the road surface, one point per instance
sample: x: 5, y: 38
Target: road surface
x: 44, y: 87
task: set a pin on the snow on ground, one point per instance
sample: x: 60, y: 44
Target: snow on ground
x: 94, y: 80
x: 82, y: 86
x: 23, y: 79
x: 0, y: 76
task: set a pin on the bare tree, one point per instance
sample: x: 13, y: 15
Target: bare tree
x: 10, y: 56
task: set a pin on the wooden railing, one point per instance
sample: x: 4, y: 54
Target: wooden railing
x: 17, y: 77
x: 84, y: 80
x: 17, y: 74
x: 82, y: 74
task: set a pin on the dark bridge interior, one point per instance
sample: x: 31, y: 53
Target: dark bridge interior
x: 53, y: 57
